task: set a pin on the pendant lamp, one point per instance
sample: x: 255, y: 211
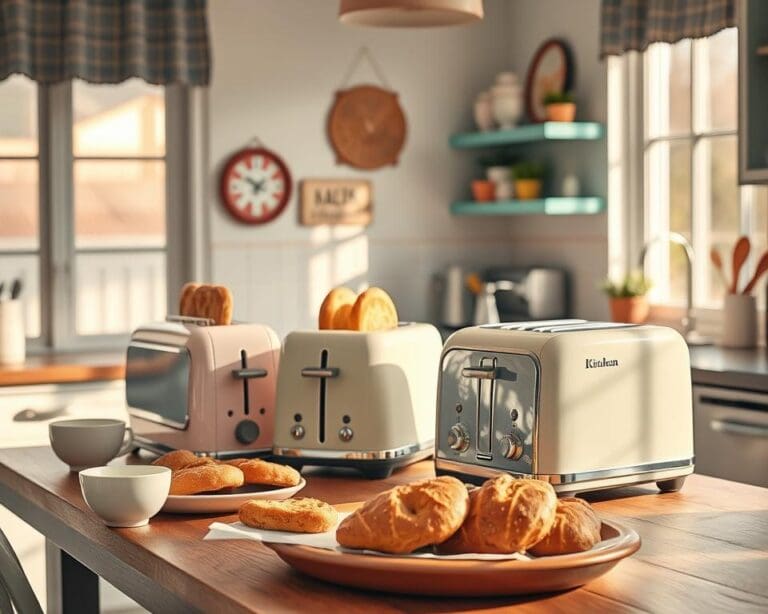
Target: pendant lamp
x: 409, y: 13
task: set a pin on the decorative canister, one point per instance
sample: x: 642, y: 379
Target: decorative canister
x: 507, y: 100
x: 484, y: 111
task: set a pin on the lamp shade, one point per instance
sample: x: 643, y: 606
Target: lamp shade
x: 409, y: 13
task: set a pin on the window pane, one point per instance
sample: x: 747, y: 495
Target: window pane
x: 120, y: 203
x: 118, y: 120
x: 18, y: 204
x: 722, y: 61
x: 18, y: 119
x: 668, y: 91
x: 117, y: 292
x: 25, y: 267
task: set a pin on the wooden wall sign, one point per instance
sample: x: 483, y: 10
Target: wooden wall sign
x: 336, y: 202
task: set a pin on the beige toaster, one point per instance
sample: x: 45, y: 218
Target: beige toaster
x: 354, y: 399
x: 583, y: 405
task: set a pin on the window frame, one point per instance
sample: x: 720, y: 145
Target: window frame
x: 186, y: 246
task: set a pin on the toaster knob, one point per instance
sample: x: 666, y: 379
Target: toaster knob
x: 247, y: 431
x: 458, y: 439
x: 345, y: 433
x: 297, y: 431
x: 511, y: 447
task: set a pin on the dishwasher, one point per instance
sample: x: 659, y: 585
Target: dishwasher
x: 731, y: 434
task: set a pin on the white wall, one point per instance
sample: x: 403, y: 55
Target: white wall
x: 277, y: 64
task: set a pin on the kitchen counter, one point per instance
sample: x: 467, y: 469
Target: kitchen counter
x: 741, y: 369
x: 704, y: 549
x: 65, y: 369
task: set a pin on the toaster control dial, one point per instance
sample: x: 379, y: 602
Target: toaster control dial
x: 345, y: 433
x: 511, y: 447
x: 458, y: 439
x: 297, y: 431
x: 247, y: 431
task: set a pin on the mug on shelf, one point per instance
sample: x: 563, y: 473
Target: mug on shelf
x: 739, y: 328
x: 13, y: 343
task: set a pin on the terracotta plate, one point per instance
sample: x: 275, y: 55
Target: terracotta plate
x: 464, y: 578
x: 230, y: 502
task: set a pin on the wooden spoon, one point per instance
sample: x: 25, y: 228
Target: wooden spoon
x: 717, y: 260
x: 740, y: 255
x: 762, y: 267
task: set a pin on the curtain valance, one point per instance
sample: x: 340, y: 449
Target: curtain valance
x: 628, y: 25
x: 105, y: 41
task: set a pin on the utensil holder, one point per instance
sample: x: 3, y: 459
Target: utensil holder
x: 739, y: 327
x: 13, y: 343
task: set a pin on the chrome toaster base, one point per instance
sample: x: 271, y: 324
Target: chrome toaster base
x: 374, y: 464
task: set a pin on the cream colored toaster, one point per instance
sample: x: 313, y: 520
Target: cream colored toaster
x: 354, y: 399
x: 583, y: 405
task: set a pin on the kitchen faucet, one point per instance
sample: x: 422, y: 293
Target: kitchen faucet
x: 691, y: 336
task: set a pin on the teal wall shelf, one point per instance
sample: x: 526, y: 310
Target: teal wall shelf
x: 556, y: 205
x: 531, y: 133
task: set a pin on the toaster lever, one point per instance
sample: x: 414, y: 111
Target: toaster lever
x: 480, y: 372
x: 320, y: 372
x: 248, y: 373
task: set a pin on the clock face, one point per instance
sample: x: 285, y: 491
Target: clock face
x: 255, y: 186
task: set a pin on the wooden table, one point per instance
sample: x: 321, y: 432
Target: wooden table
x: 704, y: 549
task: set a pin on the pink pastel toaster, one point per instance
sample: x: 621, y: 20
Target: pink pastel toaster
x: 209, y: 389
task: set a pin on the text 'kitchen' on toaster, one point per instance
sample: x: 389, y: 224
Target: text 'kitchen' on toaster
x: 583, y: 405
x: 209, y: 389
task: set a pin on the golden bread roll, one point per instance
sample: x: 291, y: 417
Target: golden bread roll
x: 257, y: 471
x: 186, y: 302
x: 373, y: 310
x: 333, y: 301
x: 341, y: 318
x: 407, y: 517
x: 214, y: 303
x: 505, y: 515
x: 302, y: 515
x: 180, y: 459
x: 576, y: 529
x: 205, y: 478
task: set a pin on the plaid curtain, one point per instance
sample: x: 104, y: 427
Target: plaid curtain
x: 632, y: 25
x: 105, y: 41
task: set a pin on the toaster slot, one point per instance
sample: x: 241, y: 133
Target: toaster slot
x: 323, y: 372
x: 485, y: 374
x: 244, y: 373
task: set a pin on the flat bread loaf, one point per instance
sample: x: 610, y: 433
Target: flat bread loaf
x: 302, y: 515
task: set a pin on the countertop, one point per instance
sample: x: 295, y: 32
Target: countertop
x: 65, y: 369
x: 712, y: 365
x: 704, y: 549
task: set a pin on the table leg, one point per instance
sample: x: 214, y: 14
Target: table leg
x: 72, y: 588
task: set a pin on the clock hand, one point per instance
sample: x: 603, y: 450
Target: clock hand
x: 258, y: 186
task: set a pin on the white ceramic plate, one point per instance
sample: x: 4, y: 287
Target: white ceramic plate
x: 229, y: 502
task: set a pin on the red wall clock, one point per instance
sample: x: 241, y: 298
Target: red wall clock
x: 255, y: 185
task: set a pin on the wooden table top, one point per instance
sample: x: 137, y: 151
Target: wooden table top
x: 64, y: 369
x: 704, y: 549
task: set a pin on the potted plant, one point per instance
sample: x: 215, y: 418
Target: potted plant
x: 528, y: 177
x: 628, y: 297
x: 560, y: 106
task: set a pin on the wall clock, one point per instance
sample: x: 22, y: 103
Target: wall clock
x: 366, y: 127
x: 255, y: 185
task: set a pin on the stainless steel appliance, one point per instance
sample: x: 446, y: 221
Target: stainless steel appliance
x: 731, y: 434
x: 531, y: 293
x: 583, y: 405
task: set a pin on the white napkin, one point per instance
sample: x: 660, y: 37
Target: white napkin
x: 327, y: 541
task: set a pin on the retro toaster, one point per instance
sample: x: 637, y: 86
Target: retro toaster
x: 364, y: 400
x: 583, y: 405
x: 210, y: 389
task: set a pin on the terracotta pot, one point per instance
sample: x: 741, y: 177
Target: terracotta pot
x: 631, y: 309
x: 527, y: 189
x: 483, y: 190
x: 561, y: 111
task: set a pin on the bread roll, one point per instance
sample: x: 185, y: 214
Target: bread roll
x: 205, y: 478
x: 505, y: 515
x: 576, y: 528
x: 257, y: 471
x: 332, y: 303
x: 373, y: 310
x: 181, y: 459
x: 302, y: 515
x: 407, y: 517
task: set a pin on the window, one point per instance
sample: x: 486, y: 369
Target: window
x: 83, y: 207
x: 681, y: 120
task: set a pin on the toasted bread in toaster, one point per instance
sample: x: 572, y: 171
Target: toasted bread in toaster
x: 335, y: 300
x: 341, y: 317
x: 181, y: 459
x: 214, y: 303
x: 407, y: 517
x: 186, y: 300
x: 373, y: 310
x: 505, y: 515
x: 205, y: 478
x: 302, y: 515
x: 576, y: 528
x: 257, y: 471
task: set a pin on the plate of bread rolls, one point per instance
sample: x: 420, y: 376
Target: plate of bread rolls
x: 203, y: 485
x: 440, y: 537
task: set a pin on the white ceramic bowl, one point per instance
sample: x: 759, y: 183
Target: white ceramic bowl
x: 88, y: 442
x: 126, y: 495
